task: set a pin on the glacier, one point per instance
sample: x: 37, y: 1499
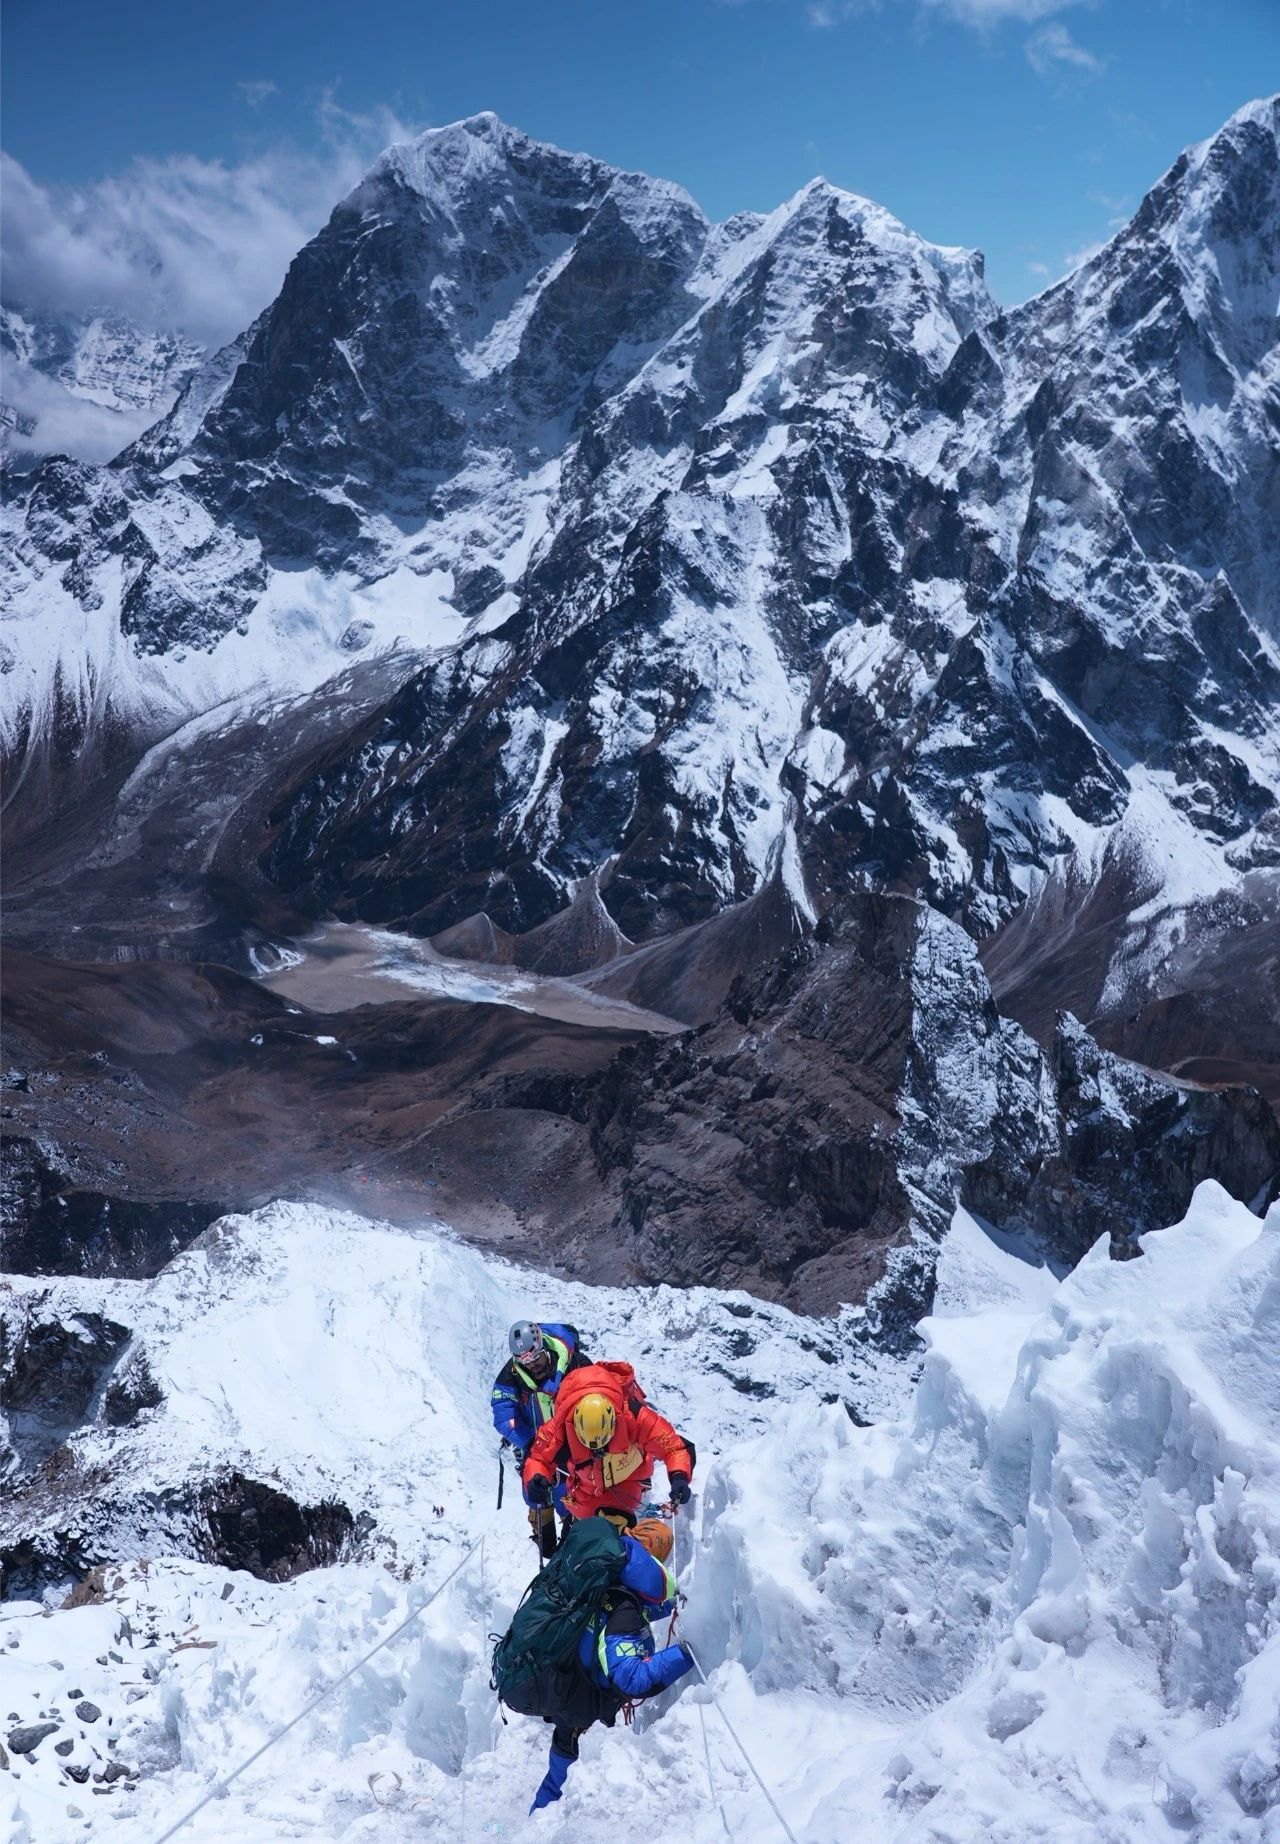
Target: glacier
x: 1042, y: 1602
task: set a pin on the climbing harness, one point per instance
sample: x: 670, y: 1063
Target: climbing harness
x: 219, y: 1787
x: 773, y: 1804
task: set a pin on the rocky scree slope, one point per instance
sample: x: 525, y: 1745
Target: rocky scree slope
x: 811, y: 1140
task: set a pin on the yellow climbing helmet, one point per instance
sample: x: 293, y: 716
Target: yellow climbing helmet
x: 594, y: 1421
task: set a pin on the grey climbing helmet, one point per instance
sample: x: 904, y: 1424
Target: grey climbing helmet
x: 525, y: 1339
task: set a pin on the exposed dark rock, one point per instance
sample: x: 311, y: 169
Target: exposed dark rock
x: 27, y: 1737
x: 51, y: 1225
x: 845, y: 1098
x: 51, y: 1370
x: 238, y: 1522
x: 1200, y: 999
x: 31, y: 1564
x: 257, y: 1527
x: 1129, y: 1148
x: 131, y: 1390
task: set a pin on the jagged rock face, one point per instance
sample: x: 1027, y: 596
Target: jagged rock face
x: 1122, y: 1144
x: 232, y: 1520
x: 465, y: 301
x: 898, y: 584
x: 736, y: 533
x: 257, y: 1527
x: 51, y: 1225
x: 811, y: 1141
x: 63, y: 1373
x: 51, y: 1369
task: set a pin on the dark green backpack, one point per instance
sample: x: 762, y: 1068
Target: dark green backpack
x: 535, y: 1663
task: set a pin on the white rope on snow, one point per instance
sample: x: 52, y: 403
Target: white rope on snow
x: 773, y: 1804
x: 711, y: 1783
x: 219, y: 1787
x: 466, y: 1724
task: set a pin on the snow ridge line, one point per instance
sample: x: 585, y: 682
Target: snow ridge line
x: 219, y: 1787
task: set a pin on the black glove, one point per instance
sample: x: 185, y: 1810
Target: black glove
x: 538, y: 1490
x: 518, y: 1453
x: 679, y: 1488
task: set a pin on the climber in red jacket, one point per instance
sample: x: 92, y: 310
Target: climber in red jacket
x: 604, y: 1437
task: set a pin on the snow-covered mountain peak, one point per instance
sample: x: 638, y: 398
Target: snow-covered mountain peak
x: 1216, y: 212
x: 1242, y: 137
x: 477, y: 152
x: 482, y: 152
x: 717, y: 521
x: 826, y: 205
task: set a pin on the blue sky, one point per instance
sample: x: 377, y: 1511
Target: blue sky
x: 1028, y: 128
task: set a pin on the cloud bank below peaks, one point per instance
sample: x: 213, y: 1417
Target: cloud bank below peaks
x: 181, y: 243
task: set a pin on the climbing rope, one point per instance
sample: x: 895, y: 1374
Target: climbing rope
x: 711, y: 1779
x: 466, y: 1727
x: 773, y: 1804
x: 219, y: 1787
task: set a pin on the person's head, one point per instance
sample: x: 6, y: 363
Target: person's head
x: 594, y: 1420
x: 655, y: 1536
x: 529, y: 1349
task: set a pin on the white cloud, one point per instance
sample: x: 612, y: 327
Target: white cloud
x: 1076, y: 259
x: 61, y: 423
x: 255, y: 90
x: 1041, y: 269
x: 1052, y: 45
x: 182, y: 243
x: 995, y: 12
x: 823, y: 15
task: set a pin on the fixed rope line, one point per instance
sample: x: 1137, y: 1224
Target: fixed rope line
x: 711, y: 1783
x: 219, y: 1787
x: 773, y: 1804
x: 466, y: 1751
x: 716, y: 1800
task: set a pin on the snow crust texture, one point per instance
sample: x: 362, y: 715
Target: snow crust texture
x: 1041, y: 1604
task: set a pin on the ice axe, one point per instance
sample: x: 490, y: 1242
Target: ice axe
x: 501, y: 1475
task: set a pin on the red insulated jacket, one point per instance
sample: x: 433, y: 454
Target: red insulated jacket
x: 619, y: 1479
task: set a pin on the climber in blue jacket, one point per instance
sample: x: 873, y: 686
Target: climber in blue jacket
x: 524, y: 1396
x: 617, y: 1649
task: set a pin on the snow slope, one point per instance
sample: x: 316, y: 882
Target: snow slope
x: 1043, y: 1605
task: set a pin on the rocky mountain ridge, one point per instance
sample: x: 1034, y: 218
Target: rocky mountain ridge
x: 593, y: 589
x: 780, y: 517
